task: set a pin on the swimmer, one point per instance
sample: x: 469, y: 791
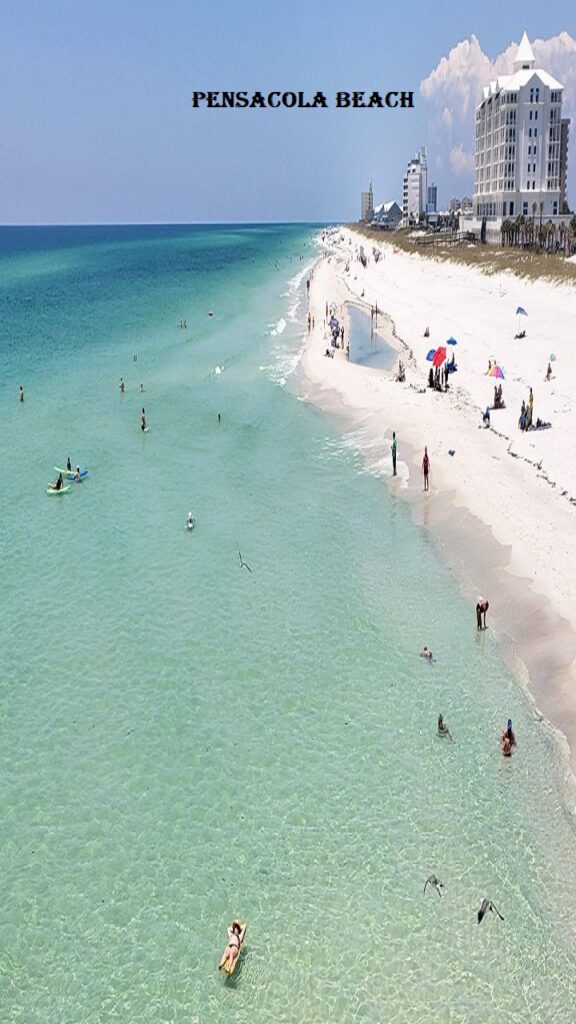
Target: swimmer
x: 433, y: 880
x: 77, y: 476
x: 21, y: 393
x: 143, y: 420
x: 68, y: 465
x: 219, y: 418
x: 141, y: 389
x: 122, y: 385
x: 488, y: 905
x: 190, y: 522
x: 443, y: 729
x: 426, y: 654
x: 508, y: 733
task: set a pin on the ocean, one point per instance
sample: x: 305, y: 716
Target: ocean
x: 185, y: 741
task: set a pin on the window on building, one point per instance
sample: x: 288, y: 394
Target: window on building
x: 524, y: 208
x: 511, y: 208
x: 537, y: 95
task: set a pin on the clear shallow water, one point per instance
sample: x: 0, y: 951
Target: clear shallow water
x: 182, y: 741
x: 365, y: 347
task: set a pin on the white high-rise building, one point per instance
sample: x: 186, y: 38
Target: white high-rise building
x: 520, y: 163
x: 415, y: 192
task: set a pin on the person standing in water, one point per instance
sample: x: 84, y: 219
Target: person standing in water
x: 394, y: 447
x: 68, y: 465
x: 482, y: 607
x: 426, y: 468
x: 143, y: 420
x: 21, y: 393
x: 122, y: 385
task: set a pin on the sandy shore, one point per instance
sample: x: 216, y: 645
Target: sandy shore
x: 503, y: 507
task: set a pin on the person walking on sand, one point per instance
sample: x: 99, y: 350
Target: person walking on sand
x: 426, y: 468
x: 394, y: 447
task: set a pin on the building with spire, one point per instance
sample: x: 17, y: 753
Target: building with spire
x: 521, y: 147
x: 367, y: 206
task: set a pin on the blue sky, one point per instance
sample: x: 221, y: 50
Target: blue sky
x: 97, y: 123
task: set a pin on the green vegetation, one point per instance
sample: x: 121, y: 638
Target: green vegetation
x: 528, y: 252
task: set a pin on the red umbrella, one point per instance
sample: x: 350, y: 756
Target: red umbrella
x: 439, y: 357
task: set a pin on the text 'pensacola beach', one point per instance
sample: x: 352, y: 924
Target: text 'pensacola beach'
x: 300, y: 100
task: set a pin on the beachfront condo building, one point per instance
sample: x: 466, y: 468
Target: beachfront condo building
x: 432, y: 200
x: 367, y: 206
x: 415, y: 192
x: 520, y: 167
x: 387, y: 216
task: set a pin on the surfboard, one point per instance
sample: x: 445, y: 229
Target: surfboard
x: 61, y: 490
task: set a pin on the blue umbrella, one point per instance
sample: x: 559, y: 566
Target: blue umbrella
x: 451, y: 341
x: 521, y: 311
x: 431, y: 355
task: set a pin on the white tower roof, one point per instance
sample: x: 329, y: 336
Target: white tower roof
x: 525, y: 56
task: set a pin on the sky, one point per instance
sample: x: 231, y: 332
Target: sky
x: 98, y: 127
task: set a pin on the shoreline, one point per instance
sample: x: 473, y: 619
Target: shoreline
x: 536, y: 637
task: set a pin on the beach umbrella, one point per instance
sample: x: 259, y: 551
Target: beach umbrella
x: 431, y: 355
x: 439, y: 356
x: 496, y: 371
x: 451, y: 341
x: 552, y: 358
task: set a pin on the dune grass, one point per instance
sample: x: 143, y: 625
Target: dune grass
x: 490, y: 259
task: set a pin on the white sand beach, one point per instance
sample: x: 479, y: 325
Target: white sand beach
x: 503, y: 507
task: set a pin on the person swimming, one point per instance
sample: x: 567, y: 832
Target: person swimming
x: 190, y: 522
x: 78, y: 475
x: 443, y: 729
x: 68, y: 465
x: 426, y: 654
x: 143, y: 420
x: 508, y: 739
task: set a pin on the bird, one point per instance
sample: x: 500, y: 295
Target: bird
x: 243, y: 564
x: 488, y: 905
x: 433, y: 880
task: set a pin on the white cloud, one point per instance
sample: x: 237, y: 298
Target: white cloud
x: 454, y: 87
x: 461, y: 160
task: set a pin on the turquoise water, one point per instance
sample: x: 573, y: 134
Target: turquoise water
x: 182, y: 741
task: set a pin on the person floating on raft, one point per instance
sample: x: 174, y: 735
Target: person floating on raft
x: 230, y: 956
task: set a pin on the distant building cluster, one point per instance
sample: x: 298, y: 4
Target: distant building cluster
x: 521, y: 159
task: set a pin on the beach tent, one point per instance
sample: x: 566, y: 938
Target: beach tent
x: 439, y: 356
x: 431, y: 355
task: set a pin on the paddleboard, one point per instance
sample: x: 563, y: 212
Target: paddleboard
x: 61, y: 490
x: 70, y: 474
